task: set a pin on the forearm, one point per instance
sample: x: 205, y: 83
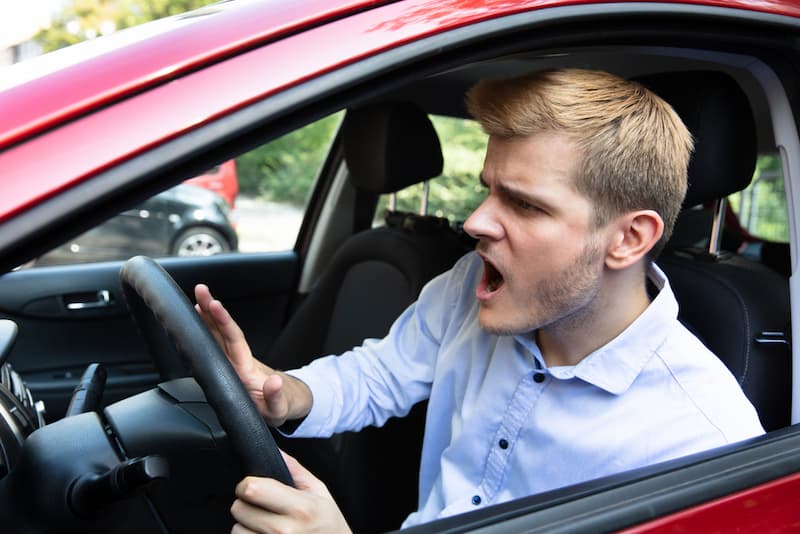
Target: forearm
x: 352, y: 391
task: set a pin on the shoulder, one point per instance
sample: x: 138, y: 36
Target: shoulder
x: 705, y: 388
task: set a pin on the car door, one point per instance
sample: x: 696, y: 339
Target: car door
x: 82, y: 310
x: 746, y: 487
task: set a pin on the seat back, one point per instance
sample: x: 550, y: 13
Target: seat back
x: 371, y: 279
x: 737, y: 307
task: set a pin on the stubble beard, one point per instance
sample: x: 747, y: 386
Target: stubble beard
x: 566, y: 302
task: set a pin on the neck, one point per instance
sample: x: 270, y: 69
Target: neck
x: 621, y: 298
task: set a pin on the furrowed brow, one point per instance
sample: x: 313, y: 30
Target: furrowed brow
x: 525, y: 196
x: 511, y: 192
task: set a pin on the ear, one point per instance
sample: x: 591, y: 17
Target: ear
x: 633, y: 234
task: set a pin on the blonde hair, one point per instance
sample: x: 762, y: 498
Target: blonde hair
x: 635, y: 147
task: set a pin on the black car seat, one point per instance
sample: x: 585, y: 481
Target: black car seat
x: 371, y: 279
x: 737, y: 307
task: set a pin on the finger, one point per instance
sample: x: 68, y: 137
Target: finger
x: 271, y: 495
x: 202, y: 295
x: 253, y: 519
x: 238, y: 528
x: 222, y: 326
x: 210, y: 325
x: 276, y: 403
x: 233, y: 340
x: 275, y: 399
x: 302, y: 477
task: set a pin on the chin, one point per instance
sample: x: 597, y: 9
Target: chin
x: 501, y: 326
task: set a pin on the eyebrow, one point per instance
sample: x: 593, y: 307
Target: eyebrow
x: 519, y: 194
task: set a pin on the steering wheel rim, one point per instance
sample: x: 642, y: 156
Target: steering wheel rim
x: 158, y: 305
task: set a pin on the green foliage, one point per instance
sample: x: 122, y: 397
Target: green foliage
x: 87, y: 19
x: 762, y: 206
x: 458, y: 191
x: 284, y: 169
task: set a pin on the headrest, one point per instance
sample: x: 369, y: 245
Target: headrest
x: 718, y: 113
x: 390, y: 146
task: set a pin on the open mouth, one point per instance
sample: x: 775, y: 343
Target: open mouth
x: 492, y: 278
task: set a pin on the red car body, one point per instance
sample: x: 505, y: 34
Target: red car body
x: 221, y: 179
x: 75, y: 115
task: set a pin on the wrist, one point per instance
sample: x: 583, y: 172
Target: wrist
x: 300, y: 397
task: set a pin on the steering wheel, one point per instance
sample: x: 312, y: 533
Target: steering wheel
x: 158, y: 305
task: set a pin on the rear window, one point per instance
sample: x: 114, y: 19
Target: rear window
x: 761, y: 208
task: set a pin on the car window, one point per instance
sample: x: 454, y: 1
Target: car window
x: 457, y: 192
x: 253, y: 203
x: 761, y: 208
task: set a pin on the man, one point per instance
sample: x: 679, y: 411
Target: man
x: 545, y: 358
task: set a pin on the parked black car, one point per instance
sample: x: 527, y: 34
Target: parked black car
x: 185, y: 220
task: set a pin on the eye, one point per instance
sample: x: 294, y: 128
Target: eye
x: 525, y: 205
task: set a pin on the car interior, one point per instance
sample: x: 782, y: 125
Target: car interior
x: 350, y: 277
x: 713, y: 285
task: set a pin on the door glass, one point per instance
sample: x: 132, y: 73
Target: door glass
x: 253, y: 203
x: 758, y: 220
x: 761, y: 208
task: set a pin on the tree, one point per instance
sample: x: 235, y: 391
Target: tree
x: 87, y: 19
x: 457, y: 192
x: 284, y: 169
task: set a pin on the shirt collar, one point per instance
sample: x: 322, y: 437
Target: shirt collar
x: 614, y: 366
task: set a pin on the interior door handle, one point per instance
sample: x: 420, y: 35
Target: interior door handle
x: 82, y: 301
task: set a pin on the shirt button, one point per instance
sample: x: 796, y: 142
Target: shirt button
x: 503, y: 444
x: 476, y: 500
x: 538, y: 378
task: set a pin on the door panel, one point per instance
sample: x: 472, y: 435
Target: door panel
x: 70, y: 316
x: 702, y: 485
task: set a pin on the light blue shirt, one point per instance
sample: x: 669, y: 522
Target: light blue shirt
x: 501, y: 424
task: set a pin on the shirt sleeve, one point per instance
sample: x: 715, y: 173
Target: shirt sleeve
x: 381, y: 378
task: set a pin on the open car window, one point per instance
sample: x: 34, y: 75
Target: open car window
x: 761, y: 207
x: 252, y: 203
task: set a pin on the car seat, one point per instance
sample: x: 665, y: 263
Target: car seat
x: 371, y: 279
x: 739, y: 308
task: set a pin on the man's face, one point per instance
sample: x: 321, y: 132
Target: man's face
x: 543, y: 257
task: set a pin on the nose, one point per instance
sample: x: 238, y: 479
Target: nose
x: 484, y: 223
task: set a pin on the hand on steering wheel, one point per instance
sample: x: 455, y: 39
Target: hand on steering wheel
x: 277, y: 396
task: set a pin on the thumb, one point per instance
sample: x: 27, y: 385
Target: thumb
x: 275, y: 399
x: 303, y: 478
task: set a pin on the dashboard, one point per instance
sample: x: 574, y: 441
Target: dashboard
x: 20, y: 415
